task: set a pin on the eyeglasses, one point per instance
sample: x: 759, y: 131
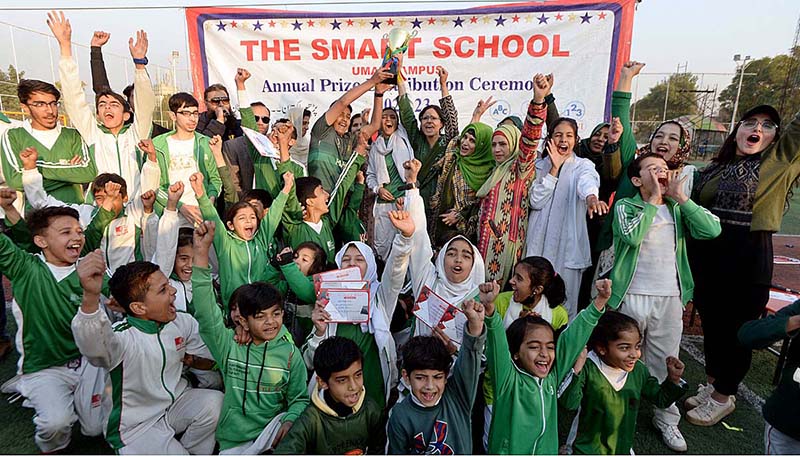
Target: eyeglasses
x: 42, y: 104
x: 431, y: 118
x: 766, y: 125
x: 189, y: 113
x: 263, y: 119
x: 219, y: 100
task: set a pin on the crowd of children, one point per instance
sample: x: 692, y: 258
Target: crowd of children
x: 174, y: 292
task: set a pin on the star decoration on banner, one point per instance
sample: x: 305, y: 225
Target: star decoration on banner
x: 458, y: 21
x: 473, y: 20
x: 500, y: 21
x: 487, y: 19
x: 559, y: 17
x: 416, y: 23
x: 376, y: 24
x: 310, y: 23
x: 515, y: 19
x: 284, y: 24
x: 543, y: 19
x: 297, y: 25
x: 572, y: 17
x: 221, y: 26
x: 362, y: 22
x: 257, y: 25
x: 601, y: 16
x: 585, y: 18
x: 271, y: 24
x: 335, y: 25
x: 349, y: 22
x: 403, y: 22
x: 528, y: 18
x: 390, y: 22
x: 431, y: 21
x: 233, y: 24
x: 443, y: 21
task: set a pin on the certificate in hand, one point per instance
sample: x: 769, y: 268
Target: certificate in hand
x: 262, y: 144
x: 346, y: 306
x: 434, y: 311
x: 337, y: 275
x: 341, y: 284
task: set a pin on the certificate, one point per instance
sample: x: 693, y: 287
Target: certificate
x: 435, y: 312
x: 338, y: 275
x: 262, y: 144
x: 346, y: 306
x: 341, y: 284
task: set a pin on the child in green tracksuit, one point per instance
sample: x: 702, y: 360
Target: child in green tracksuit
x: 319, y: 217
x: 526, y: 368
x: 341, y: 419
x: 266, y: 378
x: 244, y: 245
x: 611, y: 385
x: 436, y: 417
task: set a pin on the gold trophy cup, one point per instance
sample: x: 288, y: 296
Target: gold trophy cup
x: 396, y: 43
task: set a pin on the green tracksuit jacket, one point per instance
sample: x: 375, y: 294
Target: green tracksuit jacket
x: 524, y: 416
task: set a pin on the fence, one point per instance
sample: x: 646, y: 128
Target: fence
x: 35, y: 54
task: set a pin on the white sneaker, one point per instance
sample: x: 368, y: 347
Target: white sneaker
x: 710, y: 412
x: 672, y: 436
x: 703, y: 393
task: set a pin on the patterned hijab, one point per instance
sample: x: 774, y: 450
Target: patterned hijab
x: 477, y: 166
x: 512, y: 135
x: 684, y: 148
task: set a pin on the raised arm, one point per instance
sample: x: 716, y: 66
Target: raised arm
x: 80, y: 113
x: 538, y: 109
x: 91, y: 328
x: 144, y: 98
x: 621, y: 108
x: 99, y: 75
x: 573, y: 340
x: 354, y: 94
x: 449, y: 112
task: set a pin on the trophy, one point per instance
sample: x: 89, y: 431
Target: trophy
x: 397, y: 43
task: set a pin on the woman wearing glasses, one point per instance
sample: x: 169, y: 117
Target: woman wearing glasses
x: 747, y: 186
x: 427, y: 139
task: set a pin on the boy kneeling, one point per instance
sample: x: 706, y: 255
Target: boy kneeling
x: 342, y: 418
x: 144, y: 354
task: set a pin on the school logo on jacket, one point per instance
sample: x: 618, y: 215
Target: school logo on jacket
x: 121, y: 230
x: 437, y: 444
x: 179, y: 343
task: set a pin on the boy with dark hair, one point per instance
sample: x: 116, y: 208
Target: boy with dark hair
x: 125, y: 221
x: 260, y: 199
x: 341, y: 419
x: 266, y: 378
x: 65, y: 160
x: 105, y: 127
x: 152, y: 402
x: 54, y: 379
x: 319, y: 217
x: 435, y: 420
x: 651, y: 277
x: 176, y: 155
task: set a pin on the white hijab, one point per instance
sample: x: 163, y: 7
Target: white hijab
x: 371, y: 275
x: 455, y: 292
x: 399, y: 146
x: 300, y: 149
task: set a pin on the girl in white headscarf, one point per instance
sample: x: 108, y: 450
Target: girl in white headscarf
x: 299, y: 151
x: 373, y: 338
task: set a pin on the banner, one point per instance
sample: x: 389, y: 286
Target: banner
x: 310, y: 59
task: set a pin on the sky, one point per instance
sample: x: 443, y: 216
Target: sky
x: 703, y: 35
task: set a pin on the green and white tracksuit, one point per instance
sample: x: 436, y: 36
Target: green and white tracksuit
x: 121, y: 242
x: 145, y: 363
x: 118, y: 153
x: 62, y: 179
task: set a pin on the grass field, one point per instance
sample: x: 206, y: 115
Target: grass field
x: 17, y: 434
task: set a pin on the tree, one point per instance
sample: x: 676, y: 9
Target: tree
x: 8, y: 89
x: 650, y: 109
x: 766, y: 86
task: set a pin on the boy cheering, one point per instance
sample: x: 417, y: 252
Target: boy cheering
x: 144, y: 355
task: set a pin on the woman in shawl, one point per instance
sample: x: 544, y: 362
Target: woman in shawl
x: 373, y: 338
x: 427, y: 138
x: 566, y: 187
x: 747, y: 186
x: 465, y: 167
x: 300, y: 118
x: 504, y: 196
x: 386, y: 177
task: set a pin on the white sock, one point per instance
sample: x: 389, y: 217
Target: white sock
x: 721, y: 404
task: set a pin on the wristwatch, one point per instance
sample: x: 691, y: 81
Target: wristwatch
x: 410, y: 186
x: 141, y: 61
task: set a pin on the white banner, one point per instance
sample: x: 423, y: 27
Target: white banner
x: 310, y: 59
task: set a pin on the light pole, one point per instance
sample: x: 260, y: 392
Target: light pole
x: 738, y: 58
